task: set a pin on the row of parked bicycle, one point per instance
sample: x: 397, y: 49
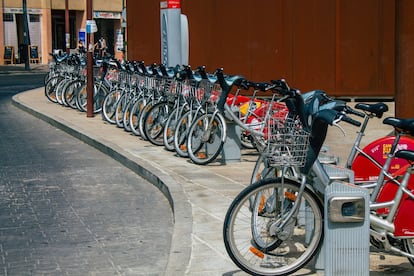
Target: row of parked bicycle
x: 179, y: 108
x: 274, y: 226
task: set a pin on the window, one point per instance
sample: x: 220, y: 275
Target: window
x: 34, y: 18
x: 8, y: 17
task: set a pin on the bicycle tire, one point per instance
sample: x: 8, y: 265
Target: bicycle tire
x: 135, y: 114
x: 81, y: 98
x: 246, y: 228
x: 125, y: 116
x: 206, y: 138
x: 154, y: 123
x: 64, y: 88
x: 168, y: 135
x: 120, y: 109
x: 109, y: 106
x: 60, y: 89
x: 142, y: 115
x: 181, y: 132
x: 71, y: 90
x: 50, y: 88
x: 408, y: 246
x: 99, y: 96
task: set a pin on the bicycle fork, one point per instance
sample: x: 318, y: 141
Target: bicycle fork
x: 282, y: 228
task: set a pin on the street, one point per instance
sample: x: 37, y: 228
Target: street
x: 68, y: 209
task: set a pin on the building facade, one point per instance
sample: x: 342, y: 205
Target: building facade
x: 46, y: 20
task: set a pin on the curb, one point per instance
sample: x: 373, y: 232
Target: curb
x: 181, y: 244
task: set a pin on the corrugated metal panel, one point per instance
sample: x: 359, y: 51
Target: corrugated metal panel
x: 346, y: 243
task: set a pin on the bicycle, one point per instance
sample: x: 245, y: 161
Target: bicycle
x: 208, y: 133
x: 261, y: 231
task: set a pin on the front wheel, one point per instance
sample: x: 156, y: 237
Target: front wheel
x: 206, y: 137
x: 253, y: 235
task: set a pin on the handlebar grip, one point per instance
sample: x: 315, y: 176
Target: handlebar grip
x: 351, y: 121
x: 350, y: 110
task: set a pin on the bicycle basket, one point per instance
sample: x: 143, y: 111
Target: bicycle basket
x: 207, y: 91
x: 287, y: 143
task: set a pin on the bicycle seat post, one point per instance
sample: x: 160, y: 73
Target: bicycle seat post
x: 360, y: 135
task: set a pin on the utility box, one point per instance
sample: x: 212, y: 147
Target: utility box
x: 346, y: 243
x: 174, y: 34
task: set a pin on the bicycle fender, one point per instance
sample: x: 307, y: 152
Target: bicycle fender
x: 366, y: 171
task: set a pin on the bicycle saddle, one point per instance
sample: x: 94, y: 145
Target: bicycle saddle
x: 378, y: 108
x: 404, y: 124
x: 168, y: 72
x: 406, y: 154
x: 62, y: 57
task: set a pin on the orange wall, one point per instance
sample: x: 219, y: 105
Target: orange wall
x: 344, y: 47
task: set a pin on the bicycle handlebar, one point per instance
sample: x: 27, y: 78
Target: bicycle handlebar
x: 350, y: 110
x: 351, y: 121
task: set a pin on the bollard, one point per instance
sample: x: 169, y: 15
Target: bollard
x: 345, y: 249
x: 231, y: 149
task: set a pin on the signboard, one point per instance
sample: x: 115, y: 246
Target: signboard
x: 34, y: 54
x: 119, y: 41
x: 170, y: 4
x: 9, y: 54
x: 107, y: 15
x: 91, y: 26
x: 82, y: 36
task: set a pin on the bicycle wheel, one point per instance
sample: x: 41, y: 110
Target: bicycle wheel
x: 206, y: 138
x: 154, y: 122
x: 181, y: 132
x: 109, y: 106
x: 252, y: 235
x: 100, y: 92
x: 141, y: 118
x: 50, y: 88
x: 69, y: 95
x: 169, y: 128
x: 135, y: 114
x: 81, y: 98
x: 262, y: 170
x: 408, y: 246
x: 60, y: 89
x: 120, y: 109
x: 126, y: 115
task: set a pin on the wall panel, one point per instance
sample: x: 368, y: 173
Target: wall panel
x: 343, y: 46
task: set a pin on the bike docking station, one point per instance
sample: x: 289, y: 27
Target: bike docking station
x: 174, y: 51
x: 231, y: 151
x: 345, y: 249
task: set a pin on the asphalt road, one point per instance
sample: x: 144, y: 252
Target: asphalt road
x: 68, y: 209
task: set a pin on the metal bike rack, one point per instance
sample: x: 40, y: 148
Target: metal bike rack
x: 345, y: 250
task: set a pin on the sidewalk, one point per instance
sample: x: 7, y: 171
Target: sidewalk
x: 199, y: 195
x: 20, y: 68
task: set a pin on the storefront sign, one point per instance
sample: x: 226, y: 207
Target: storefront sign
x: 20, y: 10
x: 107, y: 15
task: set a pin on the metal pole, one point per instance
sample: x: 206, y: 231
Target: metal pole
x: 67, y: 27
x: 26, y: 36
x: 89, y: 80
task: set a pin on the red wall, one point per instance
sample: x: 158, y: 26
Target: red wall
x: 344, y: 47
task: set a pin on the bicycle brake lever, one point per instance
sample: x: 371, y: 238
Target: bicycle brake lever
x: 335, y: 123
